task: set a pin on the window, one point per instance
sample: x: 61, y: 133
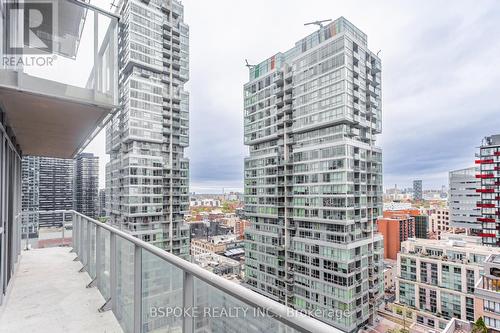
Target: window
x: 492, y: 322
x: 491, y: 306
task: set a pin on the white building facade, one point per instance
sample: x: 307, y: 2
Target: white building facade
x: 439, y: 222
x: 436, y: 278
x: 463, y: 199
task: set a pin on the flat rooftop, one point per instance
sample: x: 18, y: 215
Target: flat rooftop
x: 466, y: 244
x: 50, y: 295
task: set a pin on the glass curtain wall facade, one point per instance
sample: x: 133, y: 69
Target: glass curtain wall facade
x: 147, y: 176
x: 47, y: 184
x: 417, y: 190
x: 463, y: 199
x: 30, y: 195
x: 10, y: 206
x: 86, y: 184
x: 313, y: 178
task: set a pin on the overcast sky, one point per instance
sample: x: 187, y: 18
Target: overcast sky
x: 440, y: 80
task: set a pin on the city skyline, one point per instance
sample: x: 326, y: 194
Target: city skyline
x: 422, y: 90
x: 278, y: 106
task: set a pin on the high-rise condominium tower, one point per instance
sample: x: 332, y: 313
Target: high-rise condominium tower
x: 489, y: 174
x: 147, y: 176
x: 47, y: 185
x: 86, y: 184
x: 313, y: 180
x: 417, y: 190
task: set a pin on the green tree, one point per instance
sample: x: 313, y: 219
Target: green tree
x: 479, y: 326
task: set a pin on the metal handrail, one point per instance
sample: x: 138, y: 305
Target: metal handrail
x: 284, y: 314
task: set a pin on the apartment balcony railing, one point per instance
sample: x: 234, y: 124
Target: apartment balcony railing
x: 488, y: 287
x: 81, y: 41
x: 149, y: 289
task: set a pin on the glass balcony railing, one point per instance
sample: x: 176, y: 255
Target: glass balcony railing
x: 151, y: 290
x: 72, y: 54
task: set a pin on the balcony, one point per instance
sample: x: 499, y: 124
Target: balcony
x: 48, y: 278
x: 488, y: 161
x: 488, y: 285
x: 57, y: 96
x: 485, y: 190
x: 486, y: 220
x: 135, y: 287
x: 485, y: 205
x: 485, y: 176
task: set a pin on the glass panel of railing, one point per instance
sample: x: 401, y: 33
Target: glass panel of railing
x: 219, y: 312
x: 85, y: 242
x: 124, y: 311
x: 75, y: 38
x: 104, y: 268
x: 92, y: 243
x: 162, y: 294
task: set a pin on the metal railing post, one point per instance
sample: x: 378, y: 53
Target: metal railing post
x: 80, y: 238
x: 112, y: 270
x: 74, y: 233
x: 138, y: 289
x: 63, y: 226
x: 187, y: 302
x: 27, y: 234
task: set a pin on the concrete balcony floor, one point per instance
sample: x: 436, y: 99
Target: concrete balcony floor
x: 49, y: 295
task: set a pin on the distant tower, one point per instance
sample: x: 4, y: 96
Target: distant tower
x: 417, y: 190
x: 47, y: 186
x: 86, y: 184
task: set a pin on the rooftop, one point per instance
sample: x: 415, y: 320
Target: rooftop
x: 492, y: 140
x: 218, y: 239
x: 330, y: 30
x: 464, y: 245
